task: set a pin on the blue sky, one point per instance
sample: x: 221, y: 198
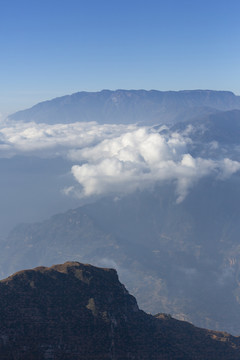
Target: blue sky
x: 51, y: 48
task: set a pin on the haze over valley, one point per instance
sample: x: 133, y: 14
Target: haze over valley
x: 158, y: 202
x: 119, y: 180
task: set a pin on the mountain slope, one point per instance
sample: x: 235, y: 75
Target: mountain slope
x: 223, y: 127
x: 182, y: 258
x: 75, y: 311
x: 187, y: 254
x: 130, y: 106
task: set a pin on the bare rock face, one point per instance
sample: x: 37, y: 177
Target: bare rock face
x: 76, y: 311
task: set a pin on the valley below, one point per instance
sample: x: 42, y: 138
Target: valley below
x: 156, y: 199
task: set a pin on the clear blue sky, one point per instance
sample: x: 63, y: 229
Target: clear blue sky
x: 56, y: 47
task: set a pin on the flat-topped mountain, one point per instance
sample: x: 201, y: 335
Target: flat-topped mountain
x: 130, y: 106
x: 76, y: 311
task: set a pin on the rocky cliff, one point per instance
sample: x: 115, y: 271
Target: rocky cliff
x: 76, y: 311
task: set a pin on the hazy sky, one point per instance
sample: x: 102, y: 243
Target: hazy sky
x: 51, y: 48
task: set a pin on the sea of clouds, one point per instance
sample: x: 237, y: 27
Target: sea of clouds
x: 114, y: 159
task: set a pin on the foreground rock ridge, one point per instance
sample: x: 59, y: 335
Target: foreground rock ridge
x: 79, y: 311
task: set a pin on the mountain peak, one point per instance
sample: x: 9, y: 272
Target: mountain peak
x: 79, y: 311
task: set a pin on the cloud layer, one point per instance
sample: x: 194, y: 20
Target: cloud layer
x: 50, y: 140
x: 115, y: 159
x: 141, y: 158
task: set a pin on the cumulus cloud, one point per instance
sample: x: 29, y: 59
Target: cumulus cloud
x: 114, y: 159
x: 229, y: 167
x: 141, y: 158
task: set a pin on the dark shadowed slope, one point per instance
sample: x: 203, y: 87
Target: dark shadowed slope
x: 75, y: 311
x: 129, y: 106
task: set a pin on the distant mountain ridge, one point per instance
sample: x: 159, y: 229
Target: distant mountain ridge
x: 130, y: 106
x: 74, y: 311
x: 188, y: 254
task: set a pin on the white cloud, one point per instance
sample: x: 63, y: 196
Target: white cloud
x: 19, y: 137
x: 229, y: 167
x: 114, y: 158
x: 140, y: 158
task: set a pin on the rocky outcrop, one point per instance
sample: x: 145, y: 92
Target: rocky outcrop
x: 76, y: 311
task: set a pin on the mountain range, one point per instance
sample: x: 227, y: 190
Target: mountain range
x: 130, y: 106
x: 179, y: 257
